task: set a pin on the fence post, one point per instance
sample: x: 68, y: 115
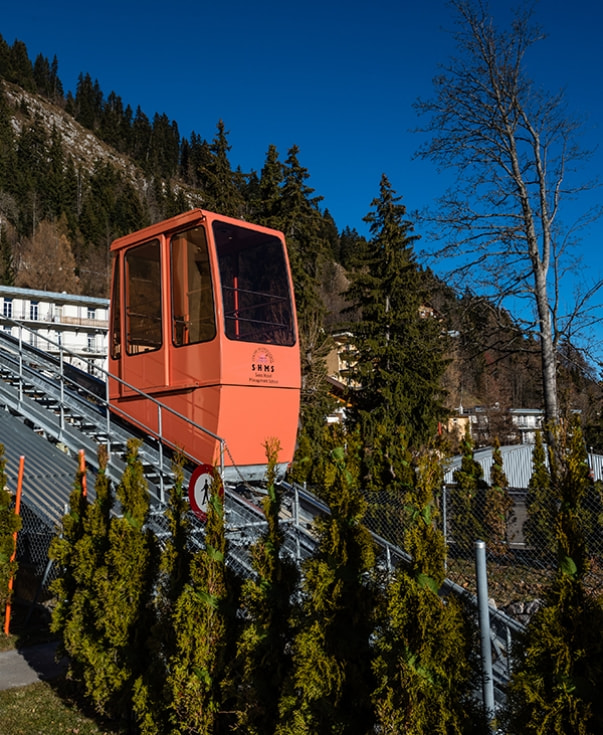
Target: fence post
x: 296, y: 520
x: 82, y: 456
x: 14, y: 554
x: 484, y: 628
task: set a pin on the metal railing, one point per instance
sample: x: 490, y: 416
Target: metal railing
x: 54, y: 373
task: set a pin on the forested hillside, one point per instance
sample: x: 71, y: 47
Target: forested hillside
x: 78, y: 169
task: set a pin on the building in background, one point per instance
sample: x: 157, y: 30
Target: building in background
x: 53, y: 321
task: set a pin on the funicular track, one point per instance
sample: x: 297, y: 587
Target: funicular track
x: 69, y: 407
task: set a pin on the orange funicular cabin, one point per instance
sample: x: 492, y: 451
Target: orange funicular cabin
x: 203, y: 322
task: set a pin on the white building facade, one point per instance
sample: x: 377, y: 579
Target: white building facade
x: 51, y: 321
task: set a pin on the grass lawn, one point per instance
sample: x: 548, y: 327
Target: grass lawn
x: 46, y: 709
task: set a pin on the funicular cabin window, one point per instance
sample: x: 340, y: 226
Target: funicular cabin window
x: 192, y: 300
x: 143, y: 298
x: 116, y: 312
x: 255, y: 285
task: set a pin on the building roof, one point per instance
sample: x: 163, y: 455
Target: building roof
x: 12, y: 292
x: 517, y: 464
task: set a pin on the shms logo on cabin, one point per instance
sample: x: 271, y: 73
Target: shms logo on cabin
x: 262, y: 366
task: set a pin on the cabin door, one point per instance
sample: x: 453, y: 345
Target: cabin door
x: 144, y: 354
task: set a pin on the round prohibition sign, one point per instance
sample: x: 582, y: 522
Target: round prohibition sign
x: 199, y: 490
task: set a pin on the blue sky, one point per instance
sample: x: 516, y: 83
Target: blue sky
x: 338, y: 79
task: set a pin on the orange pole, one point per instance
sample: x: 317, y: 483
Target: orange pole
x: 14, y: 554
x: 83, y: 472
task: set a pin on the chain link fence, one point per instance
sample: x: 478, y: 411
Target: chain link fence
x: 522, y: 554
x: 35, y: 572
x: 521, y: 545
x: 520, y: 541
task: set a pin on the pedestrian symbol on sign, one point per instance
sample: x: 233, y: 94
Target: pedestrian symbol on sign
x: 199, y: 490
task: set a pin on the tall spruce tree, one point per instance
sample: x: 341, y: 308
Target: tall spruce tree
x: 468, y: 500
x: 218, y: 180
x: 541, y: 506
x: 268, y: 207
x: 424, y: 644
x: 263, y: 655
x: 498, y: 505
x: 10, y: 523
x: 303, y: 224
x: 330, y: 683
x: 7, y: 149
x: 399, y: 355
x: 556, y: 683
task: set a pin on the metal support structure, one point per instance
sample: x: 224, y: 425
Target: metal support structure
x: 484, y: 628
x: 445, y: 521
x: 62, y: 389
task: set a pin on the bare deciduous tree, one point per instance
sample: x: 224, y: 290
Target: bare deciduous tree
x: 512, y: 147
x: 47, y: 262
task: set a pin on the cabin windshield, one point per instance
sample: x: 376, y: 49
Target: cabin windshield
x: 256, y: 294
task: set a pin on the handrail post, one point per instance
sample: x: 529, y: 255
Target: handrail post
x: 296, y: 521
x: 62, y: 389
x: 20, y: 363
x: 108, y: 415
x: 160, y: 435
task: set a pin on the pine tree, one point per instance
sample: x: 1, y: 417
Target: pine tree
x: 303, y: 224
x: 55, y: 189
x: 7, y: 259
x: 21, y: 67
x: 10, y: 523
x: 541, y: 506
x: 41, y: 73
x: 330, y: 684
x: 29, y: 177
x: 498, y: 505
x: 218, y: 181
x: 88, y: 102
x: 556, y: 682
x: 352, y: 246
x: 203, y: 620
x: 468, y: 500
x: 424, y: 643
x: 268, y: 207
x: 263, y: 659
x: 399, y: 355
x: 7, y: 148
